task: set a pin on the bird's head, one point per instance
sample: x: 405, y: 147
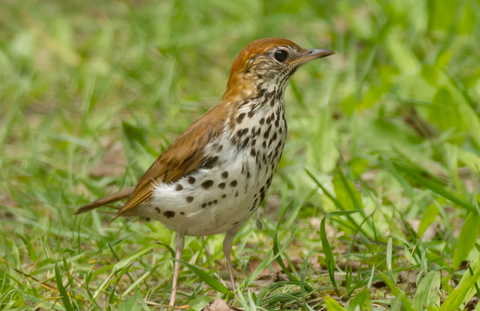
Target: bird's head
x: 270, y: 62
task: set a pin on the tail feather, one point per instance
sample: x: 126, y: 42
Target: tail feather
x: 117, y: 196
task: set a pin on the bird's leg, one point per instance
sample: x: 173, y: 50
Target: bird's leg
x: 227, y: 250
x: 179, y: 243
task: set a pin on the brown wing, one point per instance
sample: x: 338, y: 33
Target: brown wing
x: 183, y: 156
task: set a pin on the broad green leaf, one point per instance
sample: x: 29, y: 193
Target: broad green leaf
x: 333, y: 305
x: 133, y: 303
x: 362, y: 301
x: 455, y: 299
x: 199, y: 303
x: 427, y: 294
x: 357, y: 166
x: 219, y: 287
x: 469, y: 116
x: 401, y: 53
x: 428, y: 217
x: 466, y: 240
x: 447, y: 115
x: 467, y: 276
x: 400, y: 294
x: 346, y: 193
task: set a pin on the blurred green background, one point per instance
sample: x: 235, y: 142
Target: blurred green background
x: 91, y: 92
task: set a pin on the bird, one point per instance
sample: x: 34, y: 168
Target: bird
x: 215, y: 175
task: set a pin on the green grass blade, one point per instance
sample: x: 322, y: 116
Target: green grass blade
x: 62, y: 290
x: 126, y: 261
x: 466, y: 240
x: 455, y: 299
x: 390, y: 167
x: 427, y: 219
x: 362, y: 301
x: 266, y: 262
x: 333, y: 305
x: 206, y: 278
x: 400, y: 294
x: 327, y: 250
x: 427, y: 294
x: 438, y: 189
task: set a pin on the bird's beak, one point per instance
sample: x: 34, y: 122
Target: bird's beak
x: 312, y: 55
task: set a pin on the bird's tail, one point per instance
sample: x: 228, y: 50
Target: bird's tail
x: 117, y: 196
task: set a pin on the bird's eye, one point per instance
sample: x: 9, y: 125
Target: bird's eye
x: 281, y: 55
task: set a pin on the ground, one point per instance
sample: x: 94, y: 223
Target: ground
x: 375, y: 201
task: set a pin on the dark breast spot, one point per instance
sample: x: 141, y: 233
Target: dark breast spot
x: 221, y: 185
x: 251, y: 113
x: 262, y: 120
x: 169, y: 214
x: 182, y: 213
x: 178, y: 187
x: 224, y: 196
x: 207, y: 184
x: 189, y: 199
x: 204, y: 205
x: 157, y: 209
x: 225, y: 175
x: 245, y: 142
x: 242, y: 132
x: 241, y: 117
x: 267, y: 133
x: 233, y: 183
x: 191, y: 180
x: 215, y: 201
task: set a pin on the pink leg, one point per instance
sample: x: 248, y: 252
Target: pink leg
x: 227, y: 250
x: 179, y: 243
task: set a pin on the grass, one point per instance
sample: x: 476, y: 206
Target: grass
x: 374, y: 205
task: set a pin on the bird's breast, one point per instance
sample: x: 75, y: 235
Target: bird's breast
x: 213, y: 199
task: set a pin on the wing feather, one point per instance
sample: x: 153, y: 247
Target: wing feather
x: 183, y: 156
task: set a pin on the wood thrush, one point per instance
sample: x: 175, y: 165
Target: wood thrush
x: 216, y: 174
